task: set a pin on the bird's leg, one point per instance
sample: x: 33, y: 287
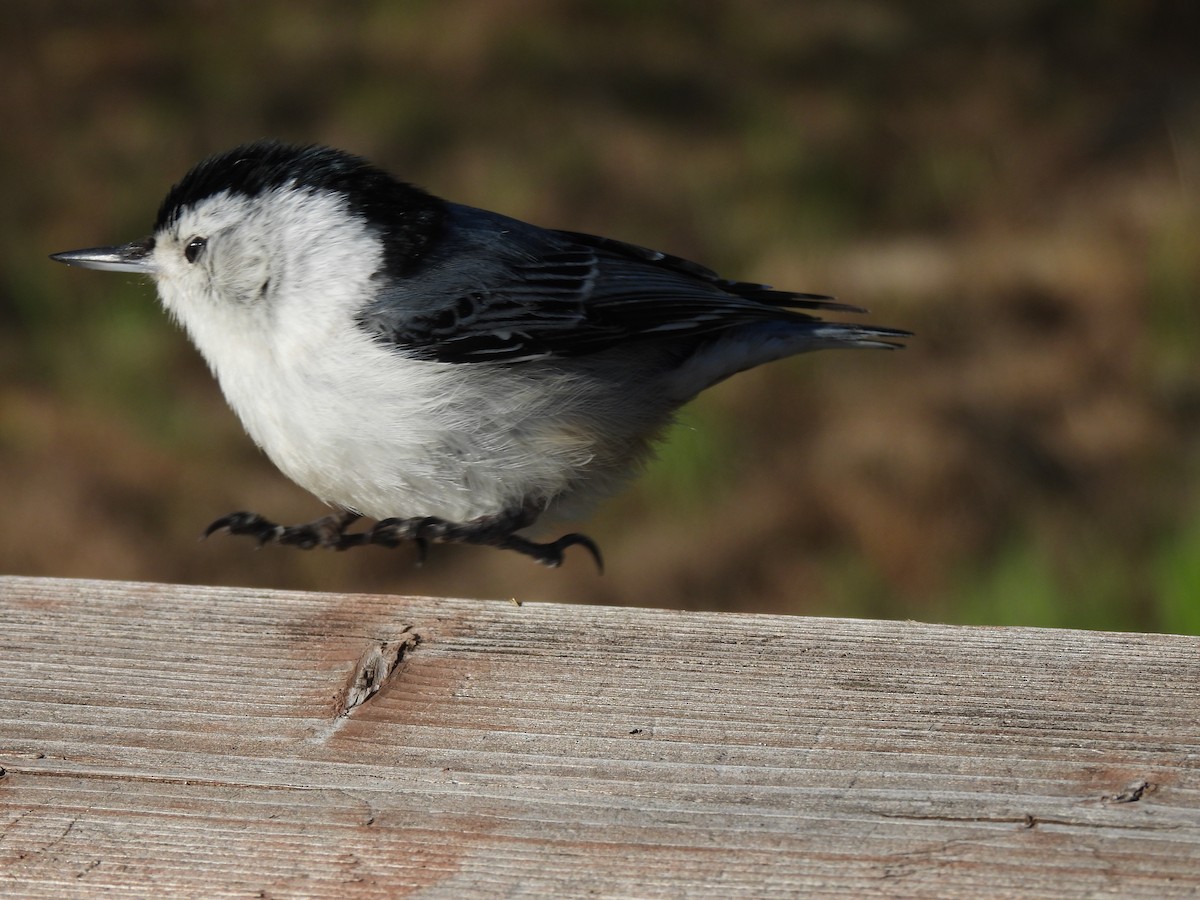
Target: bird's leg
x: 491, y: 531
x: 330, y: 533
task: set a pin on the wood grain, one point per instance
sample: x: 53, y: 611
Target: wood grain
x: 223, y: 742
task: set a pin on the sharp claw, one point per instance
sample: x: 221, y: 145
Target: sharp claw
x: 234, y: 523
x: 216, y: 526
x: 593, y: 548
x: 551, y: 554
x: 570, y: 540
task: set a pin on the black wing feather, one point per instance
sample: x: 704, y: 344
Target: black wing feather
x: 501, y: 290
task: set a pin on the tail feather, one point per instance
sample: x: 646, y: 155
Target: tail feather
x: 842, y: 334
x: 745, y: 347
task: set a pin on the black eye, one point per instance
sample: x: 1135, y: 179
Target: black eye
x: 194, y: 248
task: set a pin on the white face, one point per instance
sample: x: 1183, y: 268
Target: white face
x: 215, y: 255
x: 271, y: 270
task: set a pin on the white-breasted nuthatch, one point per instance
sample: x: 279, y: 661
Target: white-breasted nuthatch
x: 450, y: 372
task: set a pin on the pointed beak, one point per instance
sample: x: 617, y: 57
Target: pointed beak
x: 136, y: 256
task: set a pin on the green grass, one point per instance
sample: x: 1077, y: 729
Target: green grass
x: 1176, y: 580
x: 695, y: 462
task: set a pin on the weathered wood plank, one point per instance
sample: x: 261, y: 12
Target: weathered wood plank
x: 194, y: 740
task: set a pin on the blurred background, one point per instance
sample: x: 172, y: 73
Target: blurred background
x: 1017, y: 182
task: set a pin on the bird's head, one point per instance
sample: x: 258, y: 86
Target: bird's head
x: 269, y: 232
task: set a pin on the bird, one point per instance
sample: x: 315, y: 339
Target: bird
x: 453, y: 374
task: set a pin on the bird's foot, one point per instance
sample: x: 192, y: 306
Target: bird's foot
x: 490, y: 531
x: 330, y: 533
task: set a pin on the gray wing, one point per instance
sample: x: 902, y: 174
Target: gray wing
x: 501, y: 290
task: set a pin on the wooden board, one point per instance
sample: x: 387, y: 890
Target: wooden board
x: 224, y: 742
